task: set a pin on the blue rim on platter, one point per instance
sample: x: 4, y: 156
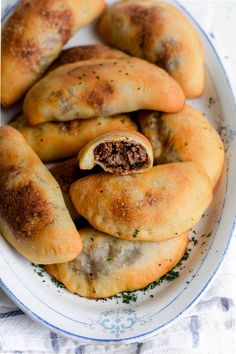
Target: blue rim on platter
x: 200, y: 292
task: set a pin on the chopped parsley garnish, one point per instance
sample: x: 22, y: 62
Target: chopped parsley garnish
x: 185, y: 257
x: 38, y: 269
x: 207, y: 235
x: 57, y: 283
x: 170, y: 276
x: 195, y: 242
x: 136, y: 232
x: 211, y: 101
x: 127, y: 297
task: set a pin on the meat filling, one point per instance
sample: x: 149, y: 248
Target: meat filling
x: 121, y: 156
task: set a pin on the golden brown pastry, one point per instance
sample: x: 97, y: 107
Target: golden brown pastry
x: 108, y: 265
x: 151, y: 206
x: 160, y: 33
x: 66, y: 173
x: 33, y: 37
x: 60, y: 140
x: 118, y: 152
x: 184, y: 136
x: 86, y: 52
x: 98, y: 87
x: 33, y: 216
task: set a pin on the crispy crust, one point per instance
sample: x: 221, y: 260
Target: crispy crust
x: 86, y: 52
x: 54, y: 141
x: 33, y: 216
x: 160, y: 33
x: 101, y: 87
x: 33, y: 37
x: 114, y: 265
x: 184, y: 136
x: 86, y: 156
x: 153, y: 206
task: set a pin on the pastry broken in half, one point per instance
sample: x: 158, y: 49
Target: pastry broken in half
x: 119, y: 152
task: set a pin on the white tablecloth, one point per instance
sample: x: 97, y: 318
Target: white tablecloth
x: 210, y: 326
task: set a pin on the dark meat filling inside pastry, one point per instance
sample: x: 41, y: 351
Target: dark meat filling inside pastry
x: 121, y: 156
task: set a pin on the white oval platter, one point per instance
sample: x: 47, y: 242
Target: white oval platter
x: 112, y: 320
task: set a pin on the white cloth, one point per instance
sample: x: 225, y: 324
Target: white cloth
x: 209, y: 328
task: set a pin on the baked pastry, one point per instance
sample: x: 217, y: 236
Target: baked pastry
x: 119, y: 152
x: 65, y: 173
x: 108, y: 265
x: 33, y: 37
x: 184, y: 136
x: 98, y: 87
x: 54, y: 141
x: 33, y: 216
x: 151, y: 206
x: 86, y: 52
x: 160, y: 33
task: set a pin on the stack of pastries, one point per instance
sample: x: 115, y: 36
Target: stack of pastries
x: 133, y: 158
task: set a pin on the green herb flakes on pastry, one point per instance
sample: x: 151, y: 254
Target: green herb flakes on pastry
x: 101, y: 87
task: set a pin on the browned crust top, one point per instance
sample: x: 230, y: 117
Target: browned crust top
x: 54, y: 21
x: 144, y: 18
x: 86, y: 52
x: 23, y: 206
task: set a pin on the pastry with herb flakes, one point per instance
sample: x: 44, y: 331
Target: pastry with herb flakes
x: 101, y: 87
x: 160, y: 33
x: 151, y: 206
x: 33, y: 215
x: 33, y: 37
x: 53, y: 141
x: 184, y: 136
x: 108, y: 265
